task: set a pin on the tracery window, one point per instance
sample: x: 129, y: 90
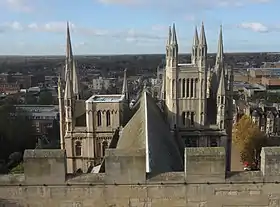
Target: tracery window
x: 78, y: 148
x: 104, y: 147
x: 108, y: 118
x: 99, y: 118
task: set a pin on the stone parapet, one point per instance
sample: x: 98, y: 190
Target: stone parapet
x: 44, y: 166
x: 205, y: 164
x: 125, y: 167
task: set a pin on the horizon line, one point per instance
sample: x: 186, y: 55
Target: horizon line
x: 127, y: 54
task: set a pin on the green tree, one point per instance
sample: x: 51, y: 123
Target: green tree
x: 16, y: 133
x: 248, y: 139
x: 45, y: 98
x: 30, y: 98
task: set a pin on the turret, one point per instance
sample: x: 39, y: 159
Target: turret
x: 125, y: 86
x: 71, y: 64
x: 70, y: 82
x: 220, y: 54
x: 194, y: 56
x: 168, y: 48
x: 61, y: 113
x: 69, y: 103
x: 202, y: 48
x: 221, y: 101
x: 174, y: 49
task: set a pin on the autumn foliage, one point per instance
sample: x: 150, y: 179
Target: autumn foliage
x: 248, y: 139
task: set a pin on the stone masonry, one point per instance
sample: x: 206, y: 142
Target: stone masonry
x: 125, y: 183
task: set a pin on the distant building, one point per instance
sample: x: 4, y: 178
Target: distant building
x: 42, y: 116
x: 9, y: 88
x: 271, y: 84
x: 101, y: 83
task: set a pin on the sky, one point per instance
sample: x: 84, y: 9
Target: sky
x: 100, y: 27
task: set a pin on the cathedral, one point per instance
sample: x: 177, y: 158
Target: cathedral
x: 196, y: 104
x: 87, y: 126
x: 197, y: 98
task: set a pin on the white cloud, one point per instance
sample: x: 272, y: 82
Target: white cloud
x: 254, y: 26
x: 192, y: 4
x: 130, y: 35
x: 18, y: 5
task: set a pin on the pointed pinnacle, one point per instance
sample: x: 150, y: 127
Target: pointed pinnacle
x: 174, y: 36
x: 169, y: 36
x: 195, y: 38
x: 202, y: 40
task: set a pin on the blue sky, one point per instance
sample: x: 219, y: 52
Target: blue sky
x: 37, y: 27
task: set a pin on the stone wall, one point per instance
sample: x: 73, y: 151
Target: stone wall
x: 127, y: 184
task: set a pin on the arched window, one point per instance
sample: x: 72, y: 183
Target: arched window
x: 184, y: 118
x: 222, y: 100
x: 173, y: 88
x: 108, y: 118
x: 192, y: 87
x: 188, y: 88
x: 184, y: 88
x: 104, y: 146
x: 78, y: 149
x: 192, y: 118
x: 221, y: 124
x: 99, y: 118
x: 179, y: 88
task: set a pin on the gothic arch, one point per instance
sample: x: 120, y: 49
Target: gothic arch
x: 108, y: 118
x: 184, y: 118
x: 184, y: 88
x: 104, y: 147
x: 99, y: 118
x: 78, y: 148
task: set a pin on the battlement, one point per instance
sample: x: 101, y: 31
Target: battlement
x: 203, y: 182
x: 202, y: 165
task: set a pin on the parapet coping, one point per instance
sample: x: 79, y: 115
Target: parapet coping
x: 43, y: 153
x: 125, y: 152
x: 205, y: 151
x: 271, y: 150
x: 243, y: 177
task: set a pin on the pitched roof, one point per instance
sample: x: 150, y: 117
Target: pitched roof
x: 148, y: 130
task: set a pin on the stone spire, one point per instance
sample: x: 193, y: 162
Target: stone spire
x: 125, y: 86
x: 195, y: 38
x: 169, y: 36
x: 220, y: 51
x: 222, y: 84
x: 61, y: 113
x: 71, y: 65
x: 202, y: 48
x: 174, y: 36
x: 68, y: 92
x: 75, y: 81
x: 194, y: 55
x: 202, y: 39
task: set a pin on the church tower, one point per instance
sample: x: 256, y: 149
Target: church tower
x: 171, y: 77
x: 202, y: 80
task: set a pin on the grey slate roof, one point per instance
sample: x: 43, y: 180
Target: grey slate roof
x: 147, y: 128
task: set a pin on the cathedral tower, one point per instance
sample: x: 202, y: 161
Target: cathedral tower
x: 171, y: 77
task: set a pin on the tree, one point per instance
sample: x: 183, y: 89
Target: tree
x: 30, y: 98
x: 248, y: 139
x: 45, y: 98
x: 15, y: 132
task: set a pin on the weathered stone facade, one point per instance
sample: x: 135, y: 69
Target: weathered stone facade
x: 125, y: 183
